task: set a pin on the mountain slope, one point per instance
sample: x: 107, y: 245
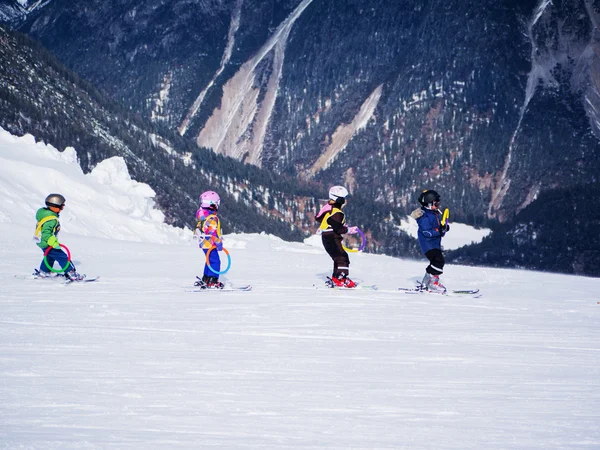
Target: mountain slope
x: 403, y: 91
x: 556, y: 233
x: 492, y: 104
x: 41, y: 97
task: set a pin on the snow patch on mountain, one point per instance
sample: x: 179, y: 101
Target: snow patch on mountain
x: 459, y: 235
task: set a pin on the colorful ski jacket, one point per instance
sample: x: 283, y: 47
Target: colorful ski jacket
x: 332, y: 220
x: 47, y: 227
x: 209, y: 228
x: 430, y: 224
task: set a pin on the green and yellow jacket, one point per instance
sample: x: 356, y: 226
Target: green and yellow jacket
x: 47, y: 228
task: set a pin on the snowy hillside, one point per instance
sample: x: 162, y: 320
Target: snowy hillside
x: 135, y: 361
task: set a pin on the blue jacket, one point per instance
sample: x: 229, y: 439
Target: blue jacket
x: 429, y: 229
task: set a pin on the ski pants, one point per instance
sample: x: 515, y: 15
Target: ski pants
x: 436, y: 261
x: 333, y: 246
x: 56, y: 255
x: 215, y: 263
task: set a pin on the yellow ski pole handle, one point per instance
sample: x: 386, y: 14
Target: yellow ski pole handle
x: 445, y: 216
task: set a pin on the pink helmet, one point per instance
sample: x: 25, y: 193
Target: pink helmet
x: 210, y: 198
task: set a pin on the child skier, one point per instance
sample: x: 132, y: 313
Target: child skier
x: 46, y: 231
x: 332, y: 220
x: 208, y: 230
x: 431, y: 231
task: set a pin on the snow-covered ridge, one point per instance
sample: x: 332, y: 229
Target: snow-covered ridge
x: 104, y: 203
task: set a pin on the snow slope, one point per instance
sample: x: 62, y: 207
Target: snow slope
x: 136, y: 362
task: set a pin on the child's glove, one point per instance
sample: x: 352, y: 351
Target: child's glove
x: 352, y: 230
x: 417, y: 213
x: 219, y: 246
x: 53, y: 242
x: 444, y: 229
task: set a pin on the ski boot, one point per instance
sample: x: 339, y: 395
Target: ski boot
x: 202, y: 283
x: 72, y: 275
x: 40, y: 274
x: 434, y: 285
x: 341, y: 282
x: 422, y: 286
x: 214, y: 283
x: 208, y: 282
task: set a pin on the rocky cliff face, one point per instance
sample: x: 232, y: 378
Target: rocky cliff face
x: 491, y: 103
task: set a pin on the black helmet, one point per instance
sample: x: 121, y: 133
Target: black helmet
x: 428, y: 197
x: 56, y: 200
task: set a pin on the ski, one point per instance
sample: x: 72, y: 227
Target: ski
x: 32, y: 277
x: 200, y: 286
x: 84, y: 280
x: 370, y: 287
x: 465, y: 291
x: 358, y: 287
x: 454, y: 292
x: 328, y: 284
x: 57, y: 278
x: 225, y: 289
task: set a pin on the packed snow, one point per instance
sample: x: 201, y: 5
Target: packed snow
x: 136, y: 361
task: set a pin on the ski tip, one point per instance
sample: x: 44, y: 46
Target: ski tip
x: 84, y: 280
x: 372, y: 287
x: 465, y: 291
x: 233, y: 288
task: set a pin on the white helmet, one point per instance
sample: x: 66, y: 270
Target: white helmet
x: 338, y: 193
